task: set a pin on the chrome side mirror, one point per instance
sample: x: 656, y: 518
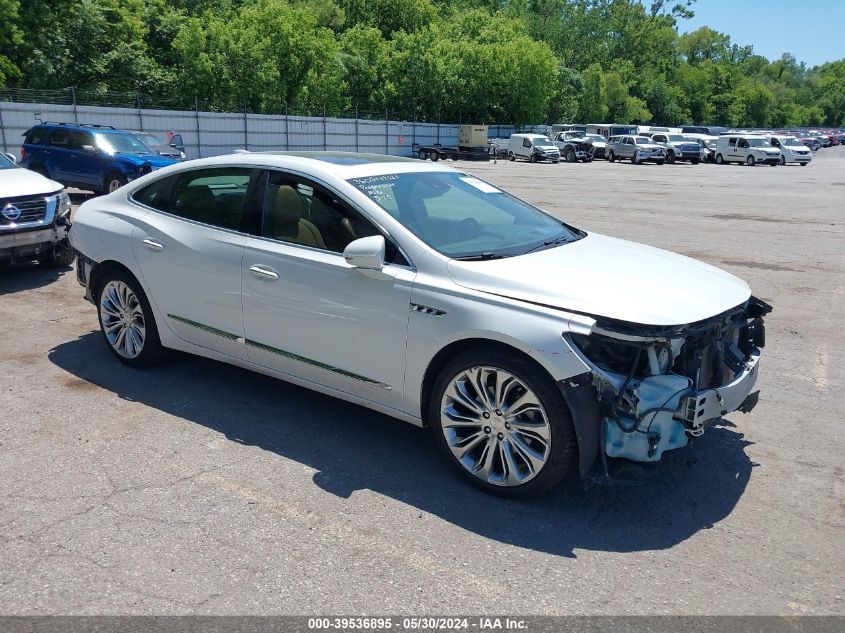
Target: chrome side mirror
x: 366, y: 252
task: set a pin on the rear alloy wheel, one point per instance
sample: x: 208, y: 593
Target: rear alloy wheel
x: 503, y: 423
x: 750, y: 161
x: 126, y: 320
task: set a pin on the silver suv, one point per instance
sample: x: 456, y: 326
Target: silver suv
x: 637, y: 149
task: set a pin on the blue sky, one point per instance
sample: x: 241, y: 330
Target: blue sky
x: 812, y: 30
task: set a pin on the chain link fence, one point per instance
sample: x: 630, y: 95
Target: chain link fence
x: 208, y: 133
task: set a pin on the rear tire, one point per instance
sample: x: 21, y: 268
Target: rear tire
x: 719, y: 159
x: 126, y: 320
x: 511, y: 155
x: 670, y: 158
x: 783, y: 160
x: 113, y: 182
x: 611, y: 157
x: 537, y: 446
x: 435, y: 156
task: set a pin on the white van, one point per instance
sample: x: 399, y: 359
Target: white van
x: 533, y: 148
x: 791, y: 149
x: 746, y: 148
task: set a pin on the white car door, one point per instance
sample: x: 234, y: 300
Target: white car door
x: 190, y: 249
x: 308, y: 313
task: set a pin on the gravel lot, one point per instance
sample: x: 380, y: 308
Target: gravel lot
x: 197, y: 487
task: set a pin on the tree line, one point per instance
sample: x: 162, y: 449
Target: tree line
x: 505, y: 61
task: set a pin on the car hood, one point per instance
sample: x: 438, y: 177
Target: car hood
x: 648, y: 146
x: 604, y: 276
x: 23, y: 182
x: 154, y: 160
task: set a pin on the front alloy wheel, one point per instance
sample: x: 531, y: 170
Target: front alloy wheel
x: 495, y: 426
x: 503, y: 423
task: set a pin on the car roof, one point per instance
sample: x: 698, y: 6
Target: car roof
x: 343, y: 165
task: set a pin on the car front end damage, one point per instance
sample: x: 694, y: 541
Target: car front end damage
x: 650, y: 389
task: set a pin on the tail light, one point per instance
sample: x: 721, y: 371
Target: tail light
x: 23, y: 152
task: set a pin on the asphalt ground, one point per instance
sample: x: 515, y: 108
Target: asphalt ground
x: 196, y: 487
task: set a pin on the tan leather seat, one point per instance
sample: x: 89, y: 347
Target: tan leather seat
x: 284, y: 221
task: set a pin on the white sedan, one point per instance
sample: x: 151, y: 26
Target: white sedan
x: 532, y: 349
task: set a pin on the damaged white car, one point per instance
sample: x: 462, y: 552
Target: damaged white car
x: 532, y: 349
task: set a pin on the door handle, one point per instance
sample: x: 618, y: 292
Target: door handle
x: 153, y: 245
x: 264, y: 272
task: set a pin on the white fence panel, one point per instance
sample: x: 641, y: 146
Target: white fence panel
x: 214, y: 133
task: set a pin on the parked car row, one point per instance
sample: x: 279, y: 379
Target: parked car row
x: 658, y: 147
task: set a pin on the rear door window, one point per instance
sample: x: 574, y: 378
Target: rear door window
x: 218, y: 196
x: 59, y: 138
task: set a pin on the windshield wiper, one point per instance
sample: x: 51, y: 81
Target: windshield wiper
x: 480, y: 257
x: 547, y: 243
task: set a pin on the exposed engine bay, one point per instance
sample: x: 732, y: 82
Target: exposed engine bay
x: 659, y: 386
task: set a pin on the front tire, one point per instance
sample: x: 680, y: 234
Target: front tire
x: 61, y: 257
x: 502, y: 423
x: 569, y: 155
x: 783, y: 160
x: 750, y: 161
x: 670, y: 158
x: 611, y: 157
x: 126, y: 320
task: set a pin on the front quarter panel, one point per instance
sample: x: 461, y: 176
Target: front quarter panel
x: 467, y: 314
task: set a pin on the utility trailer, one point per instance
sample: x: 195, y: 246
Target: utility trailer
x: 472, y: 145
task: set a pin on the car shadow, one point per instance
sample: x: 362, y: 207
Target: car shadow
x: 28, y: 276
x: 353, y: 448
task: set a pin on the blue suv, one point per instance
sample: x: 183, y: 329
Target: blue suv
x: 93, y: 157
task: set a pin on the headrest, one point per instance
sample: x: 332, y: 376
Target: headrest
x: 288, y: 206
x: 196, y: 196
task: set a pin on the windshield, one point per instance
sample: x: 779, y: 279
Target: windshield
x: 461, y: 216
x: 595, y: 138
x: 677, y: 138
x: 758, y: 142
x: 793, y: 142
x: 642, y: 140
x: 542, y: 141
x: 150, y: 139
x: 121, y: 142
x: 5, y: 163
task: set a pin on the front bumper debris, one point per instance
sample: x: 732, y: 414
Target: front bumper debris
x: 701, y: 408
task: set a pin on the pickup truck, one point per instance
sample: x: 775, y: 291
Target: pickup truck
x: 573, y: 147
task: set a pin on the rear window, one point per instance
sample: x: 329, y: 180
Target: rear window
x: 35, y: 135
